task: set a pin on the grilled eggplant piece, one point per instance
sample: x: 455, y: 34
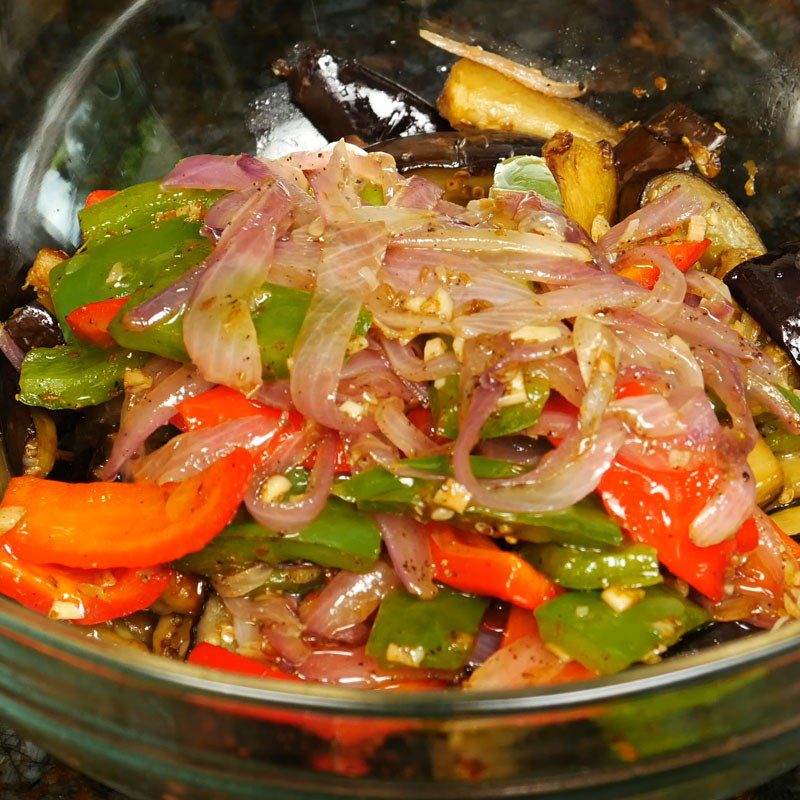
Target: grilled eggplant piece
x: 342, y: 97
x: 34, y: 326
x: 585, y: 175
x: 674, y: 138
x: 478, y: 97
x: 768, y: 288
x: 478, y: 152
x: 733, y: 237
x: 709, y: 636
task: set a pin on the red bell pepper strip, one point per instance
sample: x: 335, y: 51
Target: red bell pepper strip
x: 470, y: 562
x: 214, y: 657
x: 98, y: 195
x: 683, y: 255
x: 90, y: 322
x: 87, y: 597
x: 222, y: 403
x: 657, y: 508
x: 105, y: 525
x: 521, y: 623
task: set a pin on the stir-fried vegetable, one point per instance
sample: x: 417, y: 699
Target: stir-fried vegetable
x: 495, y: 424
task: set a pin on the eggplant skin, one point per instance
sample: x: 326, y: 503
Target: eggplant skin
x: 32, y: 326
x: 475, y: 151
x: 664, y: 142
x: 342, y: 98
x: 768, y: 289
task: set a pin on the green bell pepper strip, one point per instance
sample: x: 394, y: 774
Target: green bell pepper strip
x: 278, y: 315
x: 506, y: 421
x: 340, y: 537
x: 74, y: 376
x: 628, y: 565
x: 372, y: 194
x: 584, y: 627
x: 482, y: 467
x: 139, y: 206
x: 432, y: 634
x: 777, y: 436
x: 585, y: 524
x: 118, y: 266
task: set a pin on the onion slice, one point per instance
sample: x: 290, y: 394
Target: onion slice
x: 409, y: 548
x: 218, y: 330
x: 216, y: 172
x: 527, y: 76
x: 10, y: 349
x: 351, y: 256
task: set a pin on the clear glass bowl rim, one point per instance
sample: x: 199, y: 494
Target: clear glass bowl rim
x: 178, y: 678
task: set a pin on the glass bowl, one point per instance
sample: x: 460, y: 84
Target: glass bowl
x: 101, y: 94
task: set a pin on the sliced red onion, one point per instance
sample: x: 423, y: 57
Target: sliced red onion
x: 400, y: 431
x: 334, y: 188
x: 295, y: 263
x: 10, y: 349
x: 397, y: 321
x: 349, y: 599
x: 527, y: 76
x: 150, y: 414
x: 410, y: 366
x: 567, y: 475
x: 494, y: 241
x: 223, y: 212
x: 397, y: 220
x: 353, y: 668
x: 276, y: 615
x: 195, y: 451
x: 366, y: 378
x: 666, y: 297
x: 167, y: 303
x: 490, y: 633
x: 243, y: 583
x: 597, y: 352
x: 277, y: 394
x: 409, y: 548
x: 418, y: 193
x: 528, y: 353
x: 606, y: 291
x: 723, y: 376
x: 521, y: 205
x: 565, y: 378
x: 369, y: 449
x: 351, y: 256
x: 654, y: 218
x: 216, y: 172
x: 525, y: 662
x: 289, y: 516
x: 715, y: 294
x: 644, y: 342
x: 730, y: 507
x: 457, y: 213
x: 649, y: 415
x: 768, y: 395
x: 218, y: 330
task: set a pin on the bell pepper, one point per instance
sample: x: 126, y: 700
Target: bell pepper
x: 482, y: 467
x: 90, y: 322
x: 74, y: 375
x: 473, y: 563
x: 657, y: 508
x: 217, y: 405
x: 84, y: 596
x: 109, y: 213
x: 683, y: 254
x: 508, y: 420
x: 778, y: 437
x: 431, y: 634
x: 213, y: 657
x: 585, y: 627
x: 119, y: 266
x: 372, y: 194
x: 278, y: 314
x: 105, y: 524
x: 377, y: 489
x: 223, y: 403
x: 97, y: 196
x: 629, y: 565
x: 340, y: 537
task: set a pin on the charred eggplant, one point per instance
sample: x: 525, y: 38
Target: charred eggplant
x: 478, y: 152
x: 342, y: 97
x: 768, y: 288
x: 674, y: 138
x: 32, y: 326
